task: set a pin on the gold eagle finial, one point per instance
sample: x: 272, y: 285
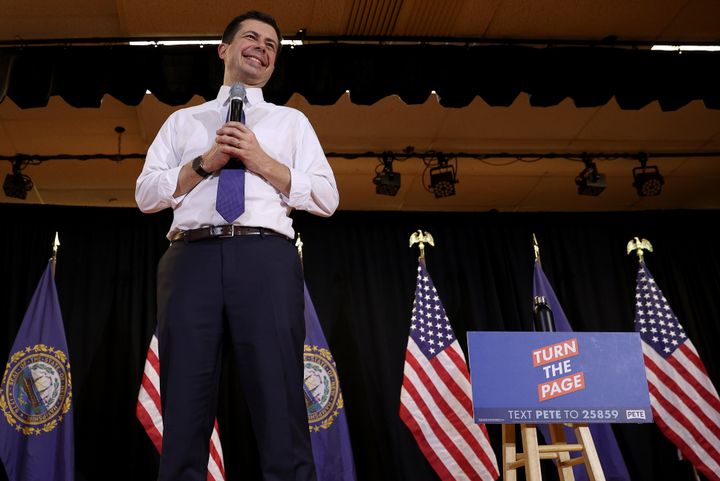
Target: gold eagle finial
x: 639, y: 245
x: 419, y: 237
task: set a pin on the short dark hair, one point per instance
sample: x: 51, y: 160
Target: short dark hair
x: 234, y: 25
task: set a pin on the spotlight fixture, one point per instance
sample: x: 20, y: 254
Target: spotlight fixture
x: 647, y: 179
x: 442, y: 178
x: 17, y: 184
x: 386, y: 181
x: 589, y: 181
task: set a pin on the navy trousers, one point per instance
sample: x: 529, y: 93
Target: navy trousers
x: 251, y: 289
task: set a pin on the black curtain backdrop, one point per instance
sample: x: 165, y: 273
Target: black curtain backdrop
x: 321, y: 73
x: 361, y: 276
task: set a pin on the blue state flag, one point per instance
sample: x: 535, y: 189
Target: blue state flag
x: 36, y: 426
x: 329, y: 433
x: 606, y: 446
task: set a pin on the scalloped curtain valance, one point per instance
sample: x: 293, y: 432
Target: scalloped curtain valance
x: 590, y: 76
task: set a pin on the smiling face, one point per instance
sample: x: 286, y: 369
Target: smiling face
x: 250, y: 56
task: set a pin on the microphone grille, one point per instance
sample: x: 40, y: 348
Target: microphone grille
x: 237, y: 90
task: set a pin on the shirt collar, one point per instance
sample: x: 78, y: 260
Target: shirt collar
x: 253, y: 96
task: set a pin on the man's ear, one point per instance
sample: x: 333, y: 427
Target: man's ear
x: 222, y: 48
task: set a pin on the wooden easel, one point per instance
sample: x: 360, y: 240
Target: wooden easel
x: 559, y: 451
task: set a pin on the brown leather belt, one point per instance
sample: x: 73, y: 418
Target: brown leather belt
x: 222, y: 231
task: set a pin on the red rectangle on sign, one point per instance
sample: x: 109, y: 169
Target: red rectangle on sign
x: 561, y: 386
x: 555, y: 352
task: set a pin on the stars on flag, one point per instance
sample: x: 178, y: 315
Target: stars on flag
x: 430, y: 327
x: 657, y: 324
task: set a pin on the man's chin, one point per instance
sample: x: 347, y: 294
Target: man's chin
x: 253, y: 79
x: 253, y: 82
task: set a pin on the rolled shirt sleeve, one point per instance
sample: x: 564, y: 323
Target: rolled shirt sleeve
x: 157, y: 182
x: 313, y: 187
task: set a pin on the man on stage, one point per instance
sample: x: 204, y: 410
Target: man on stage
x: 232, y: 170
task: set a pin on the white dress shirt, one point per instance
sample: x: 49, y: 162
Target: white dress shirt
x: 284, y: 133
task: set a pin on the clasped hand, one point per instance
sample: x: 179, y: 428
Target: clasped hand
x: 236, y: 140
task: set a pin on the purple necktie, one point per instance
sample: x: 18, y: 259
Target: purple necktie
x: 230, y: 200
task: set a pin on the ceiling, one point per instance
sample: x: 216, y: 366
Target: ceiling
x: 505, y: 184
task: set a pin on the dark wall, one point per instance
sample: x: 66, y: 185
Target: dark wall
x: 361, y: 275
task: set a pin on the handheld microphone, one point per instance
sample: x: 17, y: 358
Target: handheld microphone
x: 237, y: 98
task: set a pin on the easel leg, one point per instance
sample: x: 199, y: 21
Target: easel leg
x: 557, y: 436
x: 532, y: 454
x: 509, y: 452
x: 592, y: 462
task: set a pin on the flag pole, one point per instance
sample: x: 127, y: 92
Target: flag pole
x: 421, y: 237
x: 53, y: 259
x: 536, y: 248
x: 696, y: 476
x: 299, y: 246
x: 639, y: 245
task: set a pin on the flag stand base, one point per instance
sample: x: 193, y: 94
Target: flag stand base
x: 559, y: 451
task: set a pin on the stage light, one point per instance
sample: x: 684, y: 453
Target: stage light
x: 589, y: 181
x: 17, y: 184
x: 386, y: 181
x: 442, y: 178
x: 647, y: 179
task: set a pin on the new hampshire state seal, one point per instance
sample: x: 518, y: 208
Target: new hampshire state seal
x: 36, y: 391
x: 322, y: 388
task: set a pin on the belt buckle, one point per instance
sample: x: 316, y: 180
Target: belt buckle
x: 221, y: 231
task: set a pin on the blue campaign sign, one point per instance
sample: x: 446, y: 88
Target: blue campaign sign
x: 558, y: 377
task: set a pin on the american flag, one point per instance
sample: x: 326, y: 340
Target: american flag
x: 435, y: 400
x: 685, y: 403
x: 149, y: 412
